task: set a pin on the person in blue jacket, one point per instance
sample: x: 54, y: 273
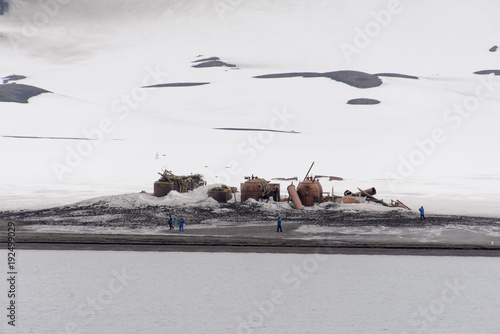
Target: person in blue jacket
x: 422, y: 217
x: 171, y: 223
x: 181, y: 224
x: 279, y: 225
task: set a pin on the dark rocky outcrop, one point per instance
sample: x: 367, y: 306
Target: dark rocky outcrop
x: 352, y: 78
x: 13, y: 77
x: 4, y: 7
x: 397, y: 75
x: 363, y: 101
x: 19, y: 93
x: 486, y: 72
x: 206, y: 59
x: 214, y: 63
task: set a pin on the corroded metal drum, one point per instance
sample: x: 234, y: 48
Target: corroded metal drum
x: 310, y: 192
x: 162, y: 188
x: 220, y: 195
x: 254, y: 188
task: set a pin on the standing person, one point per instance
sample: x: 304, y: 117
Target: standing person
x: 171, y: 223
x: 279, y: 225
x: 181, y: 224
x: 422, y: 217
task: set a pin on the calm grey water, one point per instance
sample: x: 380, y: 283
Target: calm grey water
x: 154, y: 292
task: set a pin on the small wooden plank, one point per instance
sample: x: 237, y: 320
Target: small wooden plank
x: 402, y: 204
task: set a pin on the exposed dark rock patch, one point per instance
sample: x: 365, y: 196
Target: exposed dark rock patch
x: 250, y: 129
x: 13, y: 77
x: 4, y: 7
x: 397, y: 75
x: 19, y: 93
x: 486, y: 72
x: 206, y: 59
x: 352, y: 78
x: 53, y: 138
x: 290, y: 75
x: 363, y: 101
x: 494, y: 48
x: 355, y: 78
x: 211, y: 62
x: 214, y: 63
x: 178, y: 84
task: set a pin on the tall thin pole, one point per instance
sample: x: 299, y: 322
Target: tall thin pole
x: 309, y: 171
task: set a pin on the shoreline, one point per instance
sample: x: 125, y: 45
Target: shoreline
x: 240, y: 239
x: 249, y: 228
x: 242, y: 246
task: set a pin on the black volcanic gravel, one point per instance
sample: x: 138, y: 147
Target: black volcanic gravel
x: 101, y: 214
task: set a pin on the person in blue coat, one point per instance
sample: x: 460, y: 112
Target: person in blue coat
x: 181, y: 224
x: 422, y: 217
x: 171, y: 223
x: 279, y: 225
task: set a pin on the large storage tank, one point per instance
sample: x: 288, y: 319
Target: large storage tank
x: 221, y: 194
x: 161, y: 189
x: 257, y: 188
x: 310, y: 191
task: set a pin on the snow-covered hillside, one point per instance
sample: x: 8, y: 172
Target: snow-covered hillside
x: 432, y: 140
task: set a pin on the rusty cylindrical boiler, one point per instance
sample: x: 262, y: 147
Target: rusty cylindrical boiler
x: 254, y: 188
x: 310, y: 191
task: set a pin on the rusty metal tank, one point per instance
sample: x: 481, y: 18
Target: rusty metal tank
x: 161, y: 189
x: 254, y: 188
x: 310, y: 191
x: 220, y: 194
x: 181, y: 183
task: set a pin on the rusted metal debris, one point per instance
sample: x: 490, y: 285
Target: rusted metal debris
x: 307, y: 193
x: 399, y: 204
x: 310, y: 191
x: 258, y: 188
x: 295, y: 197
x: 181, y: 183
x: 221, y: 194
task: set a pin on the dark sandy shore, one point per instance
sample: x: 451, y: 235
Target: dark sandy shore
x: 247, y: 238
x: 249, y: 227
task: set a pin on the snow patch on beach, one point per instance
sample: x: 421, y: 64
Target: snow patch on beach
x: 197, y: 197
x: 268, y: 205
x: 484, y: 235
x: 93, y: 229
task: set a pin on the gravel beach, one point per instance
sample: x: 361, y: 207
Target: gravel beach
x: 234, y: 227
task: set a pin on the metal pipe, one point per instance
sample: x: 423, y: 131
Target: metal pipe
x: 309, y: 170
x: 371, y: 191
x: 295, y: 197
